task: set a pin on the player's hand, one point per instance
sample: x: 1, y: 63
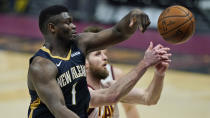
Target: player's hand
x: 140, y: 19
x: 155, y: 55
x: 162, y: 67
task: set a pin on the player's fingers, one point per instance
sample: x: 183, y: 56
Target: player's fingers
x: 132, y: 21
x: 142, y: 22
x: 166, y: 56
x: 146, y: 22
x: 163, y: 50
x: 150, y: 45
x: 167, y: 61
x: 141, y: 28
x: 165, y: 64
x: 158, y: 47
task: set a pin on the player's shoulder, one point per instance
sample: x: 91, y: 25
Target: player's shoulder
x: 90, y: 87
x: 40, y: 65
x: 38, y: 60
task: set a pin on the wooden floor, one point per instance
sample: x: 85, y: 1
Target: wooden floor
x: 185, y: 95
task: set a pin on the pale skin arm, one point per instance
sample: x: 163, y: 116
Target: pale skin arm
x: 41, y: 77
x: 120, y: 88
x: 151, y: 94
x: 113, y: 94
x: 88, y: 42
x: 130, y: 109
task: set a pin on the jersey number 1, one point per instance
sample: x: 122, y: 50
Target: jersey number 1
x: 73, y: 94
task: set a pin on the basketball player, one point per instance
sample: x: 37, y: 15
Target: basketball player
x: 114, y: 74
x: 96, y: 66
x: 56, y: 76
x: 99, y: 77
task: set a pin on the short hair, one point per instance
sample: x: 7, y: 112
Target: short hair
x: 94, y: 29
x: 48, y: 12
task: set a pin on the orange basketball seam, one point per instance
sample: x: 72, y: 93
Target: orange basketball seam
x: 175, y: 6
x: 186, y: 31
x: 183, y: 33
x: 173, y: 16
x: 178, y: 26
x: 181, y: 9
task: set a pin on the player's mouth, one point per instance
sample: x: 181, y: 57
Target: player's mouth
x: 104, y: 65
x: 74, y: 33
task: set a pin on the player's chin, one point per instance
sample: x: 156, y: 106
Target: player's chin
x: 104, y: 75
x: 104, y: 71
x: 73, y: 36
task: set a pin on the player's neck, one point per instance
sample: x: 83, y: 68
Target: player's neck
x: 57, y: 48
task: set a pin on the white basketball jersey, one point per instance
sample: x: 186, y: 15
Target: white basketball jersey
x: 110, y: 76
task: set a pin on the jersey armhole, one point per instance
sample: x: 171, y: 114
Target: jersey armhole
x: 89, y: 86
x: 112, y: 71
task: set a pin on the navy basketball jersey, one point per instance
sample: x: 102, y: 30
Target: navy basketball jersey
x: 71, y: 78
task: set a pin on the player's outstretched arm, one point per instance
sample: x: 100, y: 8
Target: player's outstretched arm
x: 121, y: 31
x: 130, y: 109
x: 120, y: 88
x: 151, y: 95
x: 42, y: 74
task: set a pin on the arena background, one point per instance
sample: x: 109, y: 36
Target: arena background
x: 186, y: 92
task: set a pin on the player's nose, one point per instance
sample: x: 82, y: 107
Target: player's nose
x: 104, y: 57
x: 73, y: 26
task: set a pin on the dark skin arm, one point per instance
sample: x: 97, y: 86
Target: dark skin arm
x: 121, y: 31
x: 42, y: 78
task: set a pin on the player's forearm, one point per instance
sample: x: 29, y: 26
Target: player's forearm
x: 154, y: 90
x: 64, y: 112
x: 55, y: 103
x: 126, y: 83
x: 61, y: 111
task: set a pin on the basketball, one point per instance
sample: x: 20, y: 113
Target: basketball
x: 176, y: 24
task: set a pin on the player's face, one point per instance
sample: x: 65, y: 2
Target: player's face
x: 97, y: 62
x: 65, y: 29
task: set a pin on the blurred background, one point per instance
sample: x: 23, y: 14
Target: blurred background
x: 186, y: 92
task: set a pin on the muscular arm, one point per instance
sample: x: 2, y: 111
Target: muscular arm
x: 121, y: 31
x: 42, y: 75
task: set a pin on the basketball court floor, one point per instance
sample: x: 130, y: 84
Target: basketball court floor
x: 185, y: 94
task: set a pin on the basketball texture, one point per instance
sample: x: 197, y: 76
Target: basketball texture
x: 176, y: 24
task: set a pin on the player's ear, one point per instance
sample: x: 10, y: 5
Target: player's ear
x: 86, y: 64
x: 51, y: 27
